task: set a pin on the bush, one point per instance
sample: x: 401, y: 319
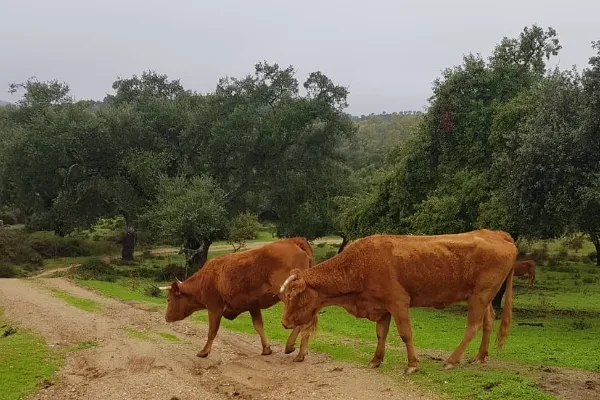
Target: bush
x: 326, y: 256
x: 171, y: 271
x: 96, y: 269
x: 243, y: 227
x: 153, y: 291
x: 10, y: 216
x: 540, y: 255
x: 592, y: 256
x: 576, y: 243
x: 56, y: 246
x: 581, y: 325
x: 589, y: 279
x: 7, y: 271
x: 15, y: 250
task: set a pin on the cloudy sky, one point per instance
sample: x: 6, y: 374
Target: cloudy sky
x: 387, y: 52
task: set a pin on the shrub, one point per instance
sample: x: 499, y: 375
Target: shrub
x: 576, y: 243
x: 592, y: 256
x: 243, y: 227
x: 53, y: 247
x: 581, y: 324
x: 326, y: 256
x: 540, y: 255
x: 15, y: 250
x: 96, y: 269
x: 171, y: 271
x: 7, y: 271
x: 562, y: 254
x: 152, y: 291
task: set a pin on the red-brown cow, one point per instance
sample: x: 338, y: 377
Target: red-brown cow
x: 231, y: 284
x: 526, y: 267
x: 381, y: 276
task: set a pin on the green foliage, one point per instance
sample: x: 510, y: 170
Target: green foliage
x: 187, y: 209
x: 243, y: 227
x: 16, y: 250
x: 55, y: 246
x: 97, y: 269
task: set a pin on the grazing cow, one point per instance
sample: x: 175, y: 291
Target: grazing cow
x: 526, y: 267
x: 231, y: 284
x: 382, y: 276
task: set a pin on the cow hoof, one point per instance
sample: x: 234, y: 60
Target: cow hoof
x: 267, y: 351
x: 478, y: 360
x: 448, y: 365
x: 202, y: 354
x: 374, y: 363
x: 289, y: 349
x: 410, y: 370
x: 299, y: 358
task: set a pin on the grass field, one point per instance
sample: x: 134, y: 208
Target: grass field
x: 565, y: 299
x: 78, y: 302
x: 25, y: 361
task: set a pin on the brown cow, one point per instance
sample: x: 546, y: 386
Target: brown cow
x: 526, y: 267
x: 231, y: 284
x: 381, y: 276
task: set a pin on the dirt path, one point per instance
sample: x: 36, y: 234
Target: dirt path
x: 122, y: 367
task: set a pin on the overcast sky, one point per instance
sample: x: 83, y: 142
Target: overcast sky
x: 387, y: 52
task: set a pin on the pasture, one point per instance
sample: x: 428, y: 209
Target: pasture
x: 551, y: 349
x: 555, y: 325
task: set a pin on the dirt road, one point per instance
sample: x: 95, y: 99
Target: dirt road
x: 125, y: 367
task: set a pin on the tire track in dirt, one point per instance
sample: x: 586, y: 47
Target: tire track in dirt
x: 121, y: 367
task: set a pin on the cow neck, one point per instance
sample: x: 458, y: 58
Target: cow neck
x: 334, y: 278
x: 193, y: 284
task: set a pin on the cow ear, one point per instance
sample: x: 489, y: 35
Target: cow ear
x: 298, y: 286
x: 175, y: 289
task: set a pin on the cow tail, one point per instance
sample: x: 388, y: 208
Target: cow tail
x: 506, y: 312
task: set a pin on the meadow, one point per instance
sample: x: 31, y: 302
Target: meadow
x: 556, y: 324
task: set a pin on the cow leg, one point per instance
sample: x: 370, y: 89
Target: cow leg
x: 257, y: 321
x: 488, y: 324
x: 531, y: 278
x: 383, y: 327
x: 214, y: 321
x: 402, y: 320
x: 290, y: 344
x: 477, y: 309
x: 303, y: 345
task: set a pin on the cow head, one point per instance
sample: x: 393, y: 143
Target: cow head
x: 300, y: 301
x: 180, y: 304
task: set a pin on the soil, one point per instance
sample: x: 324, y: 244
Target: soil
x: 125, y: 367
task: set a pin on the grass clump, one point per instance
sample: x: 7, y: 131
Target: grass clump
x: 25, y: 361
x: 78, y: 302
x: 95, y: 268
x: 86, y: 344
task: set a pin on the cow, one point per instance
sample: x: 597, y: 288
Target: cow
x: 381, y: 276
x: 526, y: 267
x: 231, y: 284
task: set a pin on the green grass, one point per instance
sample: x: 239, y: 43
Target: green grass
x: 569, y: 338
x: 137, y: 334
x: 169, y: 337
x: 81, y: 303
x: 86, y: 344
x: 118, y: 290
x: 25, y: 361
x: 54, y: 263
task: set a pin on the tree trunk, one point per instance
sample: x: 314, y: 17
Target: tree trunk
x: 345, y: 243
x: 596, y: 241
x: 196, y: 253
x: 129, y: 239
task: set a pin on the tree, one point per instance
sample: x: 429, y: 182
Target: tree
x: 243, y: 227
x: 191, y: 211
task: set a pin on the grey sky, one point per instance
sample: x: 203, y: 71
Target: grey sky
x: 388, y: 52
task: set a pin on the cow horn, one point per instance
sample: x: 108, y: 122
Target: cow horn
x: 177, y: 279
x: 165, y: 287
x: 287, y: 282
